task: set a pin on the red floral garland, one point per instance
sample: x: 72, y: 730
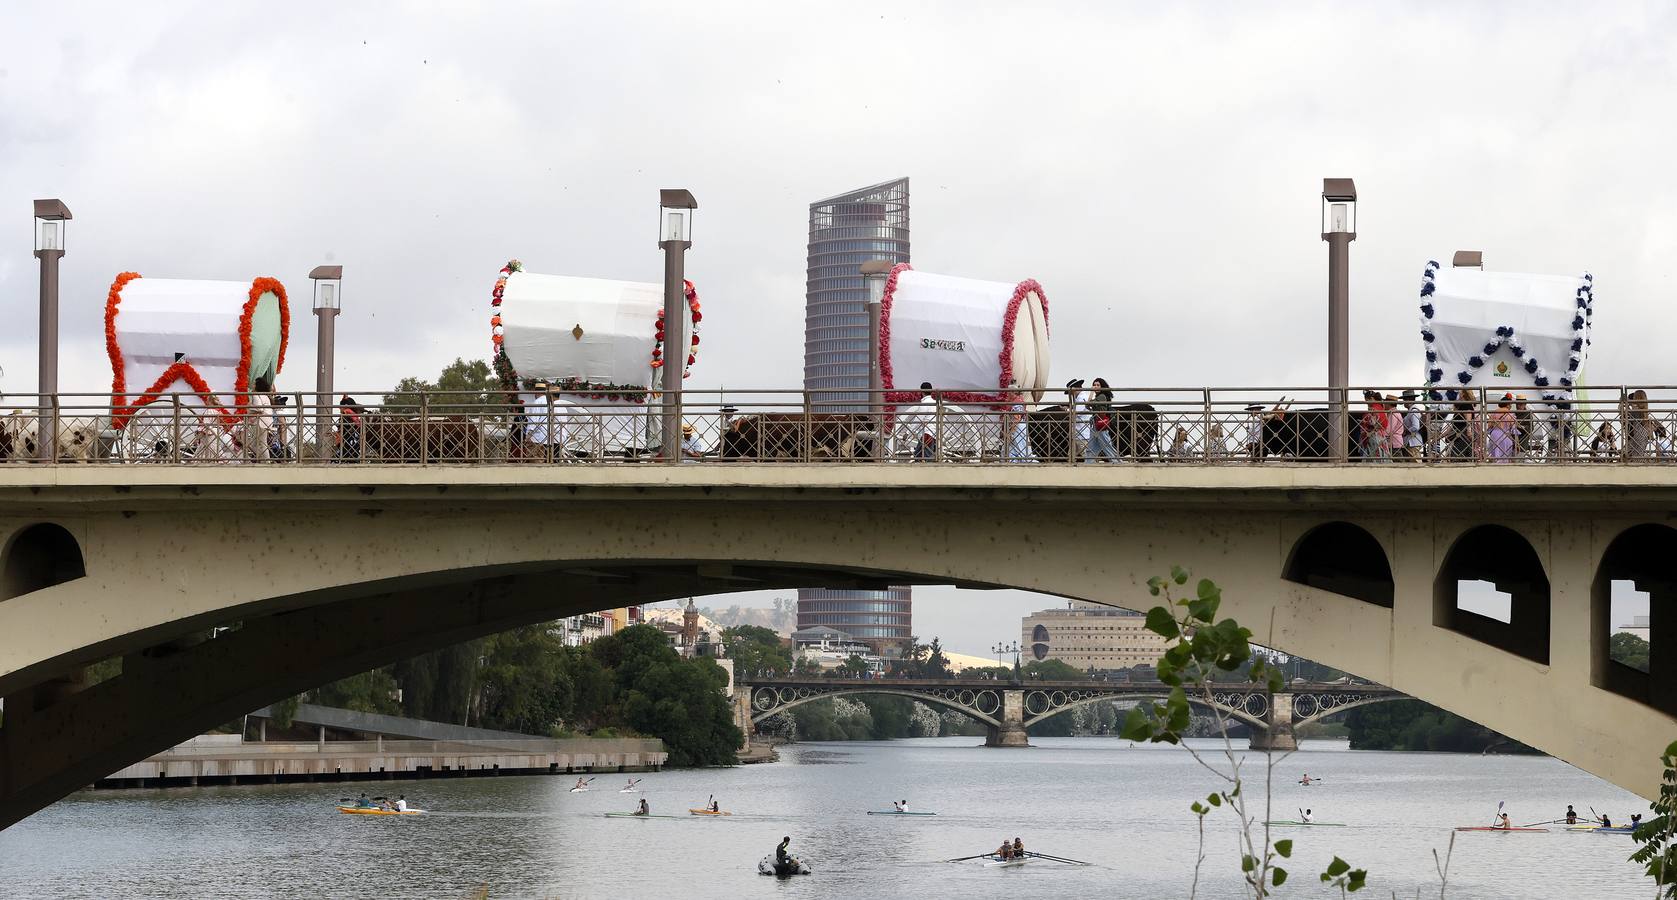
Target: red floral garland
x: 180, y: 371
x: 113, y: 349
x: 692, y: 346
x: 1004, y: 359
x: 241, y: 379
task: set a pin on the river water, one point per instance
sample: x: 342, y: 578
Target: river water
x: 1097, y: 799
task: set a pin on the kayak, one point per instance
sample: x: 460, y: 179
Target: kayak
x: 1584, y: 827
x: 578, y: 790
x: 1308, y: 824
x: 897, y: 812
x: 635, y: 816
x: 1616, y: 829
x: 1494, y: 828
x: 629, y: 790
x: 999, y: 863
x: 375, y: 811
x: 707, y: 812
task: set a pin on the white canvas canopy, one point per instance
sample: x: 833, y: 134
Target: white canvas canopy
x: 1495, y: 331
x: 192, y: 337
x: 560, y: 328
x: 980, y: 340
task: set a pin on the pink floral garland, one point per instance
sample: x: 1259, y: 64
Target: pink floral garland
x: 693, y: 346
x: 1004, y: 360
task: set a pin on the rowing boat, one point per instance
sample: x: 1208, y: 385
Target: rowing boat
x: 1311, y: 824
x: 1583, y: 827
x: 375, y: 811
x: 1616, y: 829
x: 708, y: 812
x: 1494, y: 828
x: 636, y: 816
x: 578, y: 790
x: 628, y: 790
x: 997, y: 862
x: 897, y: 812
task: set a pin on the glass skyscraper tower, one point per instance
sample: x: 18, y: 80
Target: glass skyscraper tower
x: 845, y: 231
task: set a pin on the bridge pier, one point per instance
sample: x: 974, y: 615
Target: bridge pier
x: 1279, y: 735
x: 1011, y: 732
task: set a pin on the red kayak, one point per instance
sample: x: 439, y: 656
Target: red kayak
x: 1494, y: 828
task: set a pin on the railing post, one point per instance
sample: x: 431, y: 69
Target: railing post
x: 49, y: 441
x: 937, y: 427
x: 1071, y: 430
x: 1205, y: 429
x: 424, y: 436
x: 808, y: 430
x: 175, y: 428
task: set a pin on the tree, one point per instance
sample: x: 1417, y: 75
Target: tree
x: 677, y: 700
x: 756, y: 649
x: 368, y: 692
x: 525, y: 687
x: 1628, y: 649
x: 854, y: 667
x: 463, y: 387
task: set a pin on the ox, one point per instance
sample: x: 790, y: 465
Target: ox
x: 785, y: 436
x: 1135, y: 431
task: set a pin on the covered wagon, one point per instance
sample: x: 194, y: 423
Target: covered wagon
x: 1499, y: 331
x: 584, y: 356
x: 211, y: 344
x: 982, y: 345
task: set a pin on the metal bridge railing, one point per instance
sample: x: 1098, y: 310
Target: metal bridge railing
x: 1167, y: 426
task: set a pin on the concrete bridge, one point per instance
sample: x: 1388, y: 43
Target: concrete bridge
x: 1008, y: 709
x: 224, y: 588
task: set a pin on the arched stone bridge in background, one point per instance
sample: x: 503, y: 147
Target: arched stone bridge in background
x: 221, y: 589
x: 1007, y: 709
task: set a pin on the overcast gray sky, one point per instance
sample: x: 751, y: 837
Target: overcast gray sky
x: 1157, y: 167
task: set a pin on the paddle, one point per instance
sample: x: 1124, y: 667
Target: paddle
x: 1544, y: 822
x: 1061, y: 859
x: 965, y: 858
x: 1498, y: 812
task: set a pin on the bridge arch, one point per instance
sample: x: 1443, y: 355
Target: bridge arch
x: 1252, y: 719
x: 972, y: 709
x: 1641, y: 554
x: 39, y: 556
x: 1504, y: 557
x: 1343, y: 558
x: 1329, y: 710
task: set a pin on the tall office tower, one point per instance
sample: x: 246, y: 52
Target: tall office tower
x: 845, y: 231
x: 884, y: 620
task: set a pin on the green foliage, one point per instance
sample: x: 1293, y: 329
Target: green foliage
x: 679, y: 701
x: 1628, y: 649
x: 853, y: 667
x: 1658, y: 835
x: 1415, y: 725
x: 1339, y: 874
x: 463, y: 387
x: 524, y: 683
x: 368, y: 692
x: 756, y: 649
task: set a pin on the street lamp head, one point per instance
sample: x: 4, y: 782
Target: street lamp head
x: 328, y: 287
x: 1339, y: 207
x: 50, y: 216
x: 1468, y: 259
x: 874, y: 273
x: 675, y: 215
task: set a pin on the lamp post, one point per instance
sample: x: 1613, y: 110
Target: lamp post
x: 328, y: 295
x: 1002, y: 649
x: 1339, y: 229
x: 675, y: 235
x: 874, y: 273
x: 50, y: 216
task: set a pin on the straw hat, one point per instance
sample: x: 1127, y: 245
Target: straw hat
x: 687, y: 428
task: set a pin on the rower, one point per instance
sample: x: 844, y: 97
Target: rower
x: 1606, y: 822
x: 901, y: 805
x: 1635, y: 820
x: 1305, y: 779
x: 1305, y: 817
x: 362, y: 802
x: 644, y: 810
x: 1018, y: 849
x: 402, y: 803
x: 1502, y: 823
x: 631, y: 785
x: 1571, y: 815
x: 780, y: 854
x: 1006, y: 851
x: 580, y: 784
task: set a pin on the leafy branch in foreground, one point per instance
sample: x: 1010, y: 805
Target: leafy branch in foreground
x: 1200, y: 646
x: 1659, y: 846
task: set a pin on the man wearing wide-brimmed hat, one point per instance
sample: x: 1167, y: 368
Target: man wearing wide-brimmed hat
x: 1414, y: 428
x: 1079, y: 434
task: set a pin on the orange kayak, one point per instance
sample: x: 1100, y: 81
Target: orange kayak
x: 706, y: 812
x: 375, y: 811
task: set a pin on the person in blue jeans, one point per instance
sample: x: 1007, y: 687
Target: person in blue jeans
x: 1100, y: 423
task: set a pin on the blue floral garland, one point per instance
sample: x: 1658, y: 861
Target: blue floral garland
x: 1585, y: 298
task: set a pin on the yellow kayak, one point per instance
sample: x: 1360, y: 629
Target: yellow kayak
x: 375, y: 811
x: 706, y: 812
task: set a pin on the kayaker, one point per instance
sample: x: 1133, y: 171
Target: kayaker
x: 362, y: 802
x: 1305, y: 779
x: 1635, y: 820
x: 644, y: 810
x: 580, y: 784
x: 402, y: 803
x: 715, y: 807
x: 1502, y: 823
x: 1571, y: 815
x: 780, y: 855
x: 1018, y: 849
x: 1606, y: 822
x: 632, y: 783
x: 1305, y: 817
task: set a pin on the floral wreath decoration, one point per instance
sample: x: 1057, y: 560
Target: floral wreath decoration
x: 593, y: 390
x: 1584, y: 299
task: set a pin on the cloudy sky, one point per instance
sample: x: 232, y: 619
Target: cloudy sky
x: 1156, y: 167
